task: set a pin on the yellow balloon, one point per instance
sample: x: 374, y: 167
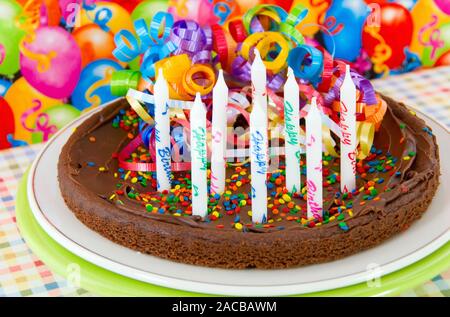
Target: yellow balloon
x: 316, y: 14
x: 427, y: 17
x: 119, y: 19
x: 20, y: 96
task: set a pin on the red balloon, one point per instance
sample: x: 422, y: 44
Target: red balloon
x: 443, y: 60
x: 128, y: 5
x: 7, y: 126
x: 396, y: 28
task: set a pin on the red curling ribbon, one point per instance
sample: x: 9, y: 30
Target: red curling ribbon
x: 220, y: 44
x: 237, y: 30
x: 327, y: 72
x: 126, y: 152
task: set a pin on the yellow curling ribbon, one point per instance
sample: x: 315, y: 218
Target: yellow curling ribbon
x: 140, y: 110
x: 174, y: 68
x: 264, y: 42
x: 365, y: 132
x: 328, y: 141
x: 189, y: 81
x: 264, y: 46
x: 250, y: 42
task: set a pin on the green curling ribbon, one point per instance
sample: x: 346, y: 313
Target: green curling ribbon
x: 123, y: 80
x: 253, y: 12
x: 295, y: 16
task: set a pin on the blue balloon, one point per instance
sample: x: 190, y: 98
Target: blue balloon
x: 345, y: 20
x: 4, y: 86
x: 94, y: 84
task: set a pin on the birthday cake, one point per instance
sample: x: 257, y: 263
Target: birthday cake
x: 152, y: 173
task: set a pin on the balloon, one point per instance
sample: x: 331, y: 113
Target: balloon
x: 57, y: 116
x: 246, y: 5
x: 345, y: 19
x: 10, y: 36
x: 408, y: 4
x: 9, y: 10
x: 93, y: 88
x: 441, y: 45
x: 128, y: 5
x: 316, y: 12
x: 23, y: 97
x: 4, y: 86
x: 443, y: 60
x: 109, y: 15
x: 428, y: 16
x: 59, y: 78
x: 7, y: 126
x: 201, y: 11
x: 146, y: 9
x: 443, y: 5
x: 94, y: 43
x: 391, y: 37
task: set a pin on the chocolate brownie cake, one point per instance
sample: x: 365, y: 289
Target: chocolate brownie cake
x: 395, y: 185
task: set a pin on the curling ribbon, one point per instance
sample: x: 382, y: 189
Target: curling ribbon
x: 288, y: 26
x: 365, y: 132
x: 153, y: 43
x: 251, y: 25
x: 298, y: 58
x: 123, y: 80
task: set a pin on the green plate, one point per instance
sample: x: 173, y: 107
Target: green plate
x: 103, y: 282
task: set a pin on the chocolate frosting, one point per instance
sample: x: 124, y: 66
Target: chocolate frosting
x: 87, y: 190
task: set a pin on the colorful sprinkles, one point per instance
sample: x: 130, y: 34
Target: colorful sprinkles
x: 227, y: 210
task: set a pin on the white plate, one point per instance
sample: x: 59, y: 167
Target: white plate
x: 421, y: 239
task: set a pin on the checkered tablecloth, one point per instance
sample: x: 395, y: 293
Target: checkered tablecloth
x: 23, y: 274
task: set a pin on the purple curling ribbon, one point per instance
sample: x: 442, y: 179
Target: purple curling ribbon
x: 192, y: 40
x: 361, y: 83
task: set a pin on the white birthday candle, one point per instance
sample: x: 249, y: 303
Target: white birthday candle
x: 348, y: 131
x: 292, y: 133
x: 259, y: 82
x: 219, y: 135
x: 162, y: 134
x: 199, y: 158
x: 258, y: 163
x: 314, y: 161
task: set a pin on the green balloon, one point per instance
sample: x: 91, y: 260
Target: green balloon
x: 444, y: 30
x: 9, y: 51
x: 10, y: 36
x: 9, y: 10
x: 59, y: 116
x: 147, y: 9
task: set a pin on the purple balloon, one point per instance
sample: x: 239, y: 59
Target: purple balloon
x: 52, y: 62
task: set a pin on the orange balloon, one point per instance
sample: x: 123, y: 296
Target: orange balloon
x: 120, y: 18
x: 21, y: 97
x: 94, y: 43
x: 427, y: 19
